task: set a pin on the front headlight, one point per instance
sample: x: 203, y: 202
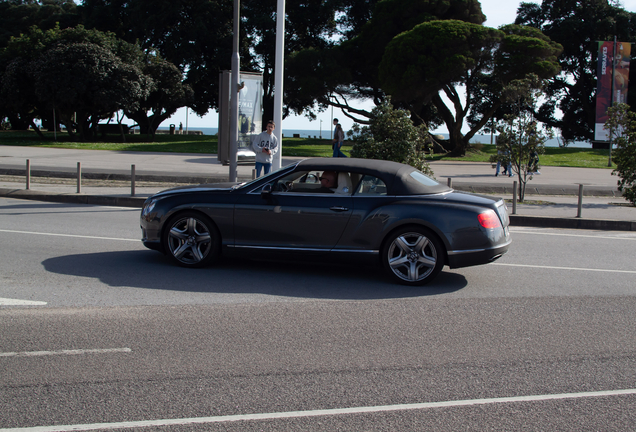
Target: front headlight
x: 148, y: 206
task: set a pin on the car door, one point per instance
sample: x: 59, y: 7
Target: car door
x: 296, y: 220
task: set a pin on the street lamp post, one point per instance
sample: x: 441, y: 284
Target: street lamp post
x: 234, y: 95
x: 278, y: 81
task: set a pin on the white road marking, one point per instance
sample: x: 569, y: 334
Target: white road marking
x: 70, y: 235
x: 65, y: 352
x: 17, y: 302
x: 316, y: 413
x: 619, y: 236
x: 564, y: 268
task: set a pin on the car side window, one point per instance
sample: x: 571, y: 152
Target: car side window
x: 371, y: 186
x: 298, y: 182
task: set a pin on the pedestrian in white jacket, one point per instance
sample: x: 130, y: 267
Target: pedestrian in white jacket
x: 265, y: 145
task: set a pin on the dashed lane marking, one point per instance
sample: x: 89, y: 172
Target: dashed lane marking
x: 70, y: 235
x: 18, y: 302
x: 65, y: 352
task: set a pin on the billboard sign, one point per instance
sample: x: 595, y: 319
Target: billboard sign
x: 612, y: 82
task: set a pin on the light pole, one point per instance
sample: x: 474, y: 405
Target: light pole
x: 234, y: 95
x: 278, y: 81
x: 320, y: 128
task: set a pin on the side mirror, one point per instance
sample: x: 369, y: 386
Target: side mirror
x: 266, y: 192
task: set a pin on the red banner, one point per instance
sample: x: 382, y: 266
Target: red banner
x: 609, y: 66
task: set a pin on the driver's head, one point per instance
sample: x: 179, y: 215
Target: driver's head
x: 329, y: 179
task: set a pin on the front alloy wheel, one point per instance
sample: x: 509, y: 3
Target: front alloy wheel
x: 191, y: 240
x: 413, y: 256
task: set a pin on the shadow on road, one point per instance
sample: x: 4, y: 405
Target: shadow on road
x: 151, y: 270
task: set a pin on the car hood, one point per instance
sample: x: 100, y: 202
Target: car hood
x: 209, y: 187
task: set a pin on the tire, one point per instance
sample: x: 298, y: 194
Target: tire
x: 191, y: 240
x: 413, y: 256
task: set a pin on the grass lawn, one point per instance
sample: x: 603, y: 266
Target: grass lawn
x: 303, y: 147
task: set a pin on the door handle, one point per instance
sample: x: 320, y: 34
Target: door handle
x: 338, y: 209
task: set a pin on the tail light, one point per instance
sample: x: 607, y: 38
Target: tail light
x: 489, y: 219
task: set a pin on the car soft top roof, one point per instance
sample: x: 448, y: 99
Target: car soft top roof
x: 396, y: 176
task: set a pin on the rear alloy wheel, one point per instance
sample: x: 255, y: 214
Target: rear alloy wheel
x: 413, y: 256
x: 191, y: 240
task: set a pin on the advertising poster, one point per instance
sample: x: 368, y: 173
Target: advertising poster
x: 250, y: 113
x: 609, y: 66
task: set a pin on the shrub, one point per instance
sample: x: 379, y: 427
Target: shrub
x: 622, y: 126
x: 392, y: 136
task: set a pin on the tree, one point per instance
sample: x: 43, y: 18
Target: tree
x: 437, y: 57
x: 392, y: 136
x: 18, y: 16
x: 622, y: 126
x: 85, y: 83
x: 194, y: 35
x: 577, y: 26
x: 348, y: 70
x: 83, y: 74
x: 166, y: 93
x: 520, y: 142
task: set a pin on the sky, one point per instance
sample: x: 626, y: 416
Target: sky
x: 498, y: 12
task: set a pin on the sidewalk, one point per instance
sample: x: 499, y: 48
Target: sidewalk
x: 551, y: 197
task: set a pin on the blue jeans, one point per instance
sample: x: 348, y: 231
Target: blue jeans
x: 261, y: 165
x: 336, y: 150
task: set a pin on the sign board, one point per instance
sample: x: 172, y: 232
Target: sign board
x: 250, y: 121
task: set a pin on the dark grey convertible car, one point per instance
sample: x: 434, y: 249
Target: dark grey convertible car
x: 379, y: 211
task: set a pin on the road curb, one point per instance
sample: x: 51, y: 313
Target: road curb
x: 572, y: 223
x: 137, y: 202
x: 102, y: 200
x: 588, y: 190
x: 153, y: 178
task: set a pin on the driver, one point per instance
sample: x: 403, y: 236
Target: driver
x: 328, y: 182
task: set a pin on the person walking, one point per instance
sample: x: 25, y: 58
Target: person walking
x: 338, y: 139
x: 265, y: 145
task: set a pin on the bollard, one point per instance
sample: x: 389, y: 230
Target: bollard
x: 254, y: 174
x: 28, y: 174
x: 514, y: 197
x: 580, y: 210
x: 450, y: 182
x: 132, y: 180
x: 79, y: 177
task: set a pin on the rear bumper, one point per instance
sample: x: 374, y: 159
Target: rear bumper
x: 467, y: 258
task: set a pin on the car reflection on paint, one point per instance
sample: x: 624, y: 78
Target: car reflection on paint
x: 380, y: 211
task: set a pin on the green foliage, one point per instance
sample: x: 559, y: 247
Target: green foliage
x: 418, y: 63
x: 438, y: 56
x: 166, y: 92
x: 622, y: 126
x: 87, y: 76
x: 348, y: 69
x: 392, y: 136
x: 578, y: 26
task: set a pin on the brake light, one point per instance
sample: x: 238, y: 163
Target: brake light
x: 489, y: 220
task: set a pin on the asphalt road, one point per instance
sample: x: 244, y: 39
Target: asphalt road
x: 100, y: 332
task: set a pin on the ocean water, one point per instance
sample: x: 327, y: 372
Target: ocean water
x: 484, y: 139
